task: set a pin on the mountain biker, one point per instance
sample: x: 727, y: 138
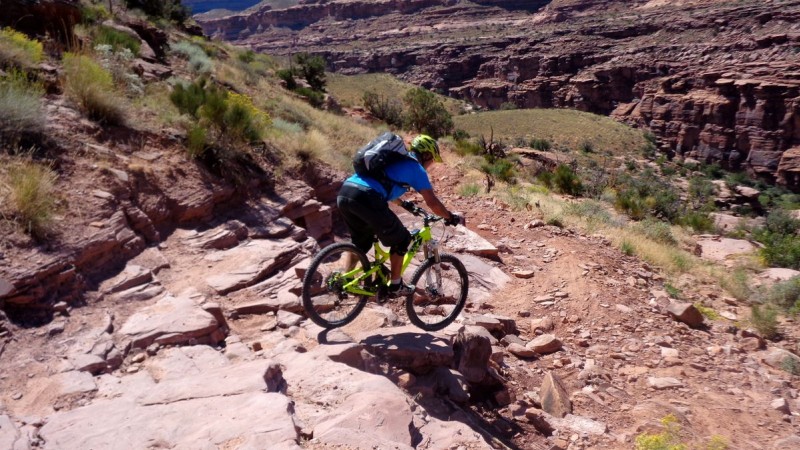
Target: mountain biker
x: 363, y: 202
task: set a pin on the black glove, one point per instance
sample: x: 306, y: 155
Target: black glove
x: 455, y: 219
x: 407, y: 205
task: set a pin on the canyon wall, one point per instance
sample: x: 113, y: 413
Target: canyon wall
x: 713, y: 80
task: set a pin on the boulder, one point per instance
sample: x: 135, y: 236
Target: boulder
x: 686, y: 313
x: 473, y: 349
x: 544, y: 344
x: 407, y: 348
x: 554, y: 397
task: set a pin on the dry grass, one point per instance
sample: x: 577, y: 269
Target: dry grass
x: 21, y: 112
x: 30, y: 188
x: 92, y: 87
x: 566, y: 129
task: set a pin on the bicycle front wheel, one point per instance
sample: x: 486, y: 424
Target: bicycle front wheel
x: 325, y: 298
x: 440, y: 295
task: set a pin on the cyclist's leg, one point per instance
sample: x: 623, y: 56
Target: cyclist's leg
x: 350, y: 203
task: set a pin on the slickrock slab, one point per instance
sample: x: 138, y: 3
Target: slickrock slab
x: 484, y: 279
x: 717, y: 248
x: 10, y: 436
x: 132, y: 276
x: 193, y: 423
x: 465, y: 240
x: 172, y: 320
x: 249, y: 263
x: 664, y: 383
x: 408, y: 348
x: 355, y: 409
x: 778, y: 274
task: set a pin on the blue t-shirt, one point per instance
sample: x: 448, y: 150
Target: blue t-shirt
x: 409, y: 172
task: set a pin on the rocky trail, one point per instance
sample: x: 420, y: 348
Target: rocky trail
x: 200, y: 342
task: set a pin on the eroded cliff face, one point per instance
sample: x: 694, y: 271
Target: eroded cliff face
x: 714, y: 80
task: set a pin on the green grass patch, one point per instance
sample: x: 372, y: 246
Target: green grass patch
x: 469, y: 190
x: 564, y: 129
x: 707, y: 312
x: 117, y: 39
x: 764, y: 318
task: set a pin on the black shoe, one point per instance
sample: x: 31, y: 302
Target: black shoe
x: 399, y: 290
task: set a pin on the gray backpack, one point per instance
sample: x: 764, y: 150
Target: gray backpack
x: 372, y: 159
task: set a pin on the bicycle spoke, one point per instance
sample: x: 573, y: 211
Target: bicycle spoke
x: 440, y: 295
x: 325, y: 298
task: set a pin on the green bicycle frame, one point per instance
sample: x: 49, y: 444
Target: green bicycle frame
x: 381, y: 257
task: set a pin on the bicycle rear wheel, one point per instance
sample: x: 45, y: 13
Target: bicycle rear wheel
x: 325, y: 299
x: 440, y: 295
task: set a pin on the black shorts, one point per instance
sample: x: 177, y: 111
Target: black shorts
x: 367, y: 214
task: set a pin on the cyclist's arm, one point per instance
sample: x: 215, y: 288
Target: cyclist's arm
x: 434, y: 204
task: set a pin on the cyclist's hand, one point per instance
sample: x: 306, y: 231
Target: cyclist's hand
x: 407, y: 205
x: 455, y: 219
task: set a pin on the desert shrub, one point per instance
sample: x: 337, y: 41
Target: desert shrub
x: 656, y: 230
x: 737, y: 284
x: 566, y: 181
x: 92, y: 87
x: 627, y: 247
x: 315, y: 98
x: 17, y: 50
x: 119, y: 64
x: 199, y: 61
x: 700, y: 222
x: 117, y: 39
x: 229, y: 118
x: 501, y: 169
x: 590, y: 210
x: 785, y: 294
x: 460, y: 135
x: 312, y: 69
x: 469, y: 190
x: 21, y: 114
x: 668, y: 439
x: 555, y: 221
x: 540, y: 144
x: 672, y: 290
x: 765, y: 320
x: 586, y: 147
x: 247, y: 56
x: 32, y: 195
x: 713, y: 171
x: 286, y: 127
x: 507, y: 106
x: 287, y: 75
x: 384, y: 108
x: 466, y: 147
x: 426, y: 114
x: 780, y: 239
x: 643, y: 195
x: 93, y: 13
x: 197, y: 141
x: 162, y: 9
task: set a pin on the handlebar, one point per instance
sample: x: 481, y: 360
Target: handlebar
x: 427, y: 217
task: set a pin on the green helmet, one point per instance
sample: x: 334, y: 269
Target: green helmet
x: 426, y: 144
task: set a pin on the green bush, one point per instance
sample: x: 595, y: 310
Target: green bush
x: 645, y: 194
x: 33, y: 197
x: 700, y: 222
x: 163, y: 9
x: 765, y: 320
x: 540, y: 144
x: 426, y: 114
x: 656, y: 230
x: 466, y: 147
x: 117, y: 39
x: 501, y: 169
x: 586, y: 147
x: 460, y: 135
x: 785, y: 294
x: 566, y: 181
x: 287, y: 75
x: 312, y: 69
x: 384, y: 108
x: 780, y: 239
x: 17, y: 50
x: 627, y: 248
x: 507, y: 106
x: 92, y: 87
x: 315, y: 98
x: 91, y: 13
x: 469, y: 190
x: 21, y: 114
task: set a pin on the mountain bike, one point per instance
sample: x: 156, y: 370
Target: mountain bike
x: 341, y: 278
